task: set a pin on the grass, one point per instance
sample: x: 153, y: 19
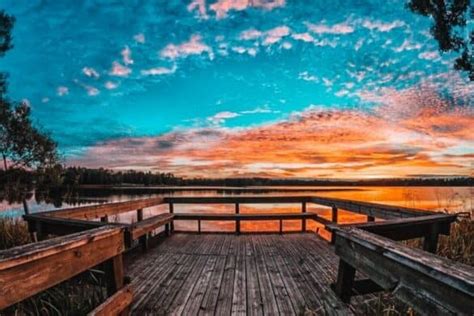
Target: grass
x: 13, y: 232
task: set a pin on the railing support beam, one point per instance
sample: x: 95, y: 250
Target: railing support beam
x: 171, y: 208
x: 345, y: 281
x: 303, y: 221
x: 430, y: 241
x: 237, y: 222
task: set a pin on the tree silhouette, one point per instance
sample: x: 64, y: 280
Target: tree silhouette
x: 21, y: 144
x: 450, y: 28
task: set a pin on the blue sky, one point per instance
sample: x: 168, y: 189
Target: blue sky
x: 99, y: 72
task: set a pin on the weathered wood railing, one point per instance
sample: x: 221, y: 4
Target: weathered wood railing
x: 398, y: 223
x: 430, y: 284
x: 30, y: 269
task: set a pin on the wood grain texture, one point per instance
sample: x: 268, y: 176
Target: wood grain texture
x: 220, y: 274
x: 429, y: 283
x: 30, y: 269
x: 107, y: 209
x: 116, y: 304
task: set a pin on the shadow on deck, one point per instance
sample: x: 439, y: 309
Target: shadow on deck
x: 220, y: 274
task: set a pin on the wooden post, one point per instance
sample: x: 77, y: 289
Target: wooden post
x: 303, y: 221
x: 114, y: 274
x: 334, y: 220
x: 345, y: 281
x: 199, y: 226
x: 430, y: 241
x: 171, y: 212
x: 143, y: 240
x: 334, y: 214
x: 25, y: 207
x: 281, y: 226
x: 237, y: 222
x: 139, y: 214
x: 167, y: 229
x: 370, y: 218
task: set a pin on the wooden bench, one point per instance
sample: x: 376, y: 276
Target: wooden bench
x: 141, y: 229
x: 430, y: 284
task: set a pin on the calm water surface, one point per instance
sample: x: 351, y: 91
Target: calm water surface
x: 446, y: 199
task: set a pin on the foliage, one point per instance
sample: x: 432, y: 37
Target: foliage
x: 450, y: 28
x: 21, y: 144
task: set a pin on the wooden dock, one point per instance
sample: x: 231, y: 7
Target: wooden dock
x: 223, y: 274
x: 149, y: 268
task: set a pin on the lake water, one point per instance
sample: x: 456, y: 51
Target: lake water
x: 445, y: 199
x: 450, y: 199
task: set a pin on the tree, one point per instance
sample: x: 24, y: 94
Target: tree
x: 21, y: 144
x: 450, y: 28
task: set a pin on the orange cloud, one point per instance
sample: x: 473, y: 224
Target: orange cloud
x: 410, y: 133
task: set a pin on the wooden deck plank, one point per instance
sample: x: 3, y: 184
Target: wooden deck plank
x: 270, y: 306
x: 239, y: 298
x: 209, y: 300
x: 254, y: 297
x: 279, y: 289
x: 224, y: 300
x: 222, y: 274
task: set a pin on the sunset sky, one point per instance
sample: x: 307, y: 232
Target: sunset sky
x: 274, y: 88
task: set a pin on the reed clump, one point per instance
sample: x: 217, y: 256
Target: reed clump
x: 13, y: 232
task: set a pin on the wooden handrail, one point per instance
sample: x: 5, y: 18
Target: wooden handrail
x: 370, y: 209
x: 236, y: 199
x: 30, y: 269
x: 107, y: 209
x: 431, y: 284
x: 406, y: 228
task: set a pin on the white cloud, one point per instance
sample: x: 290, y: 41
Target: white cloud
x: 62, y: 90
x: 159, y: 71
x: 221, y: 117
x: 139, y: 38
x: 90, y: 72
x: 382, y: 26
x: 110, y: 85
x: 429, y: 55
x: 127, y: 56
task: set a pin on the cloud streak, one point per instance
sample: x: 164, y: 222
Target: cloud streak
x: 411, y: 132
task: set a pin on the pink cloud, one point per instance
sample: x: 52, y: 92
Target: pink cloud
x: 341, y: 28
x: 222, y: 7
x: 276, y: 34
x: 199, y: 6
x: 251, y: 34
x: 305, y: 37
x: 194, y: 46
x: 119, y: 70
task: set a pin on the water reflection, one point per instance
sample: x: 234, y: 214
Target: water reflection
x: 450, y: 199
